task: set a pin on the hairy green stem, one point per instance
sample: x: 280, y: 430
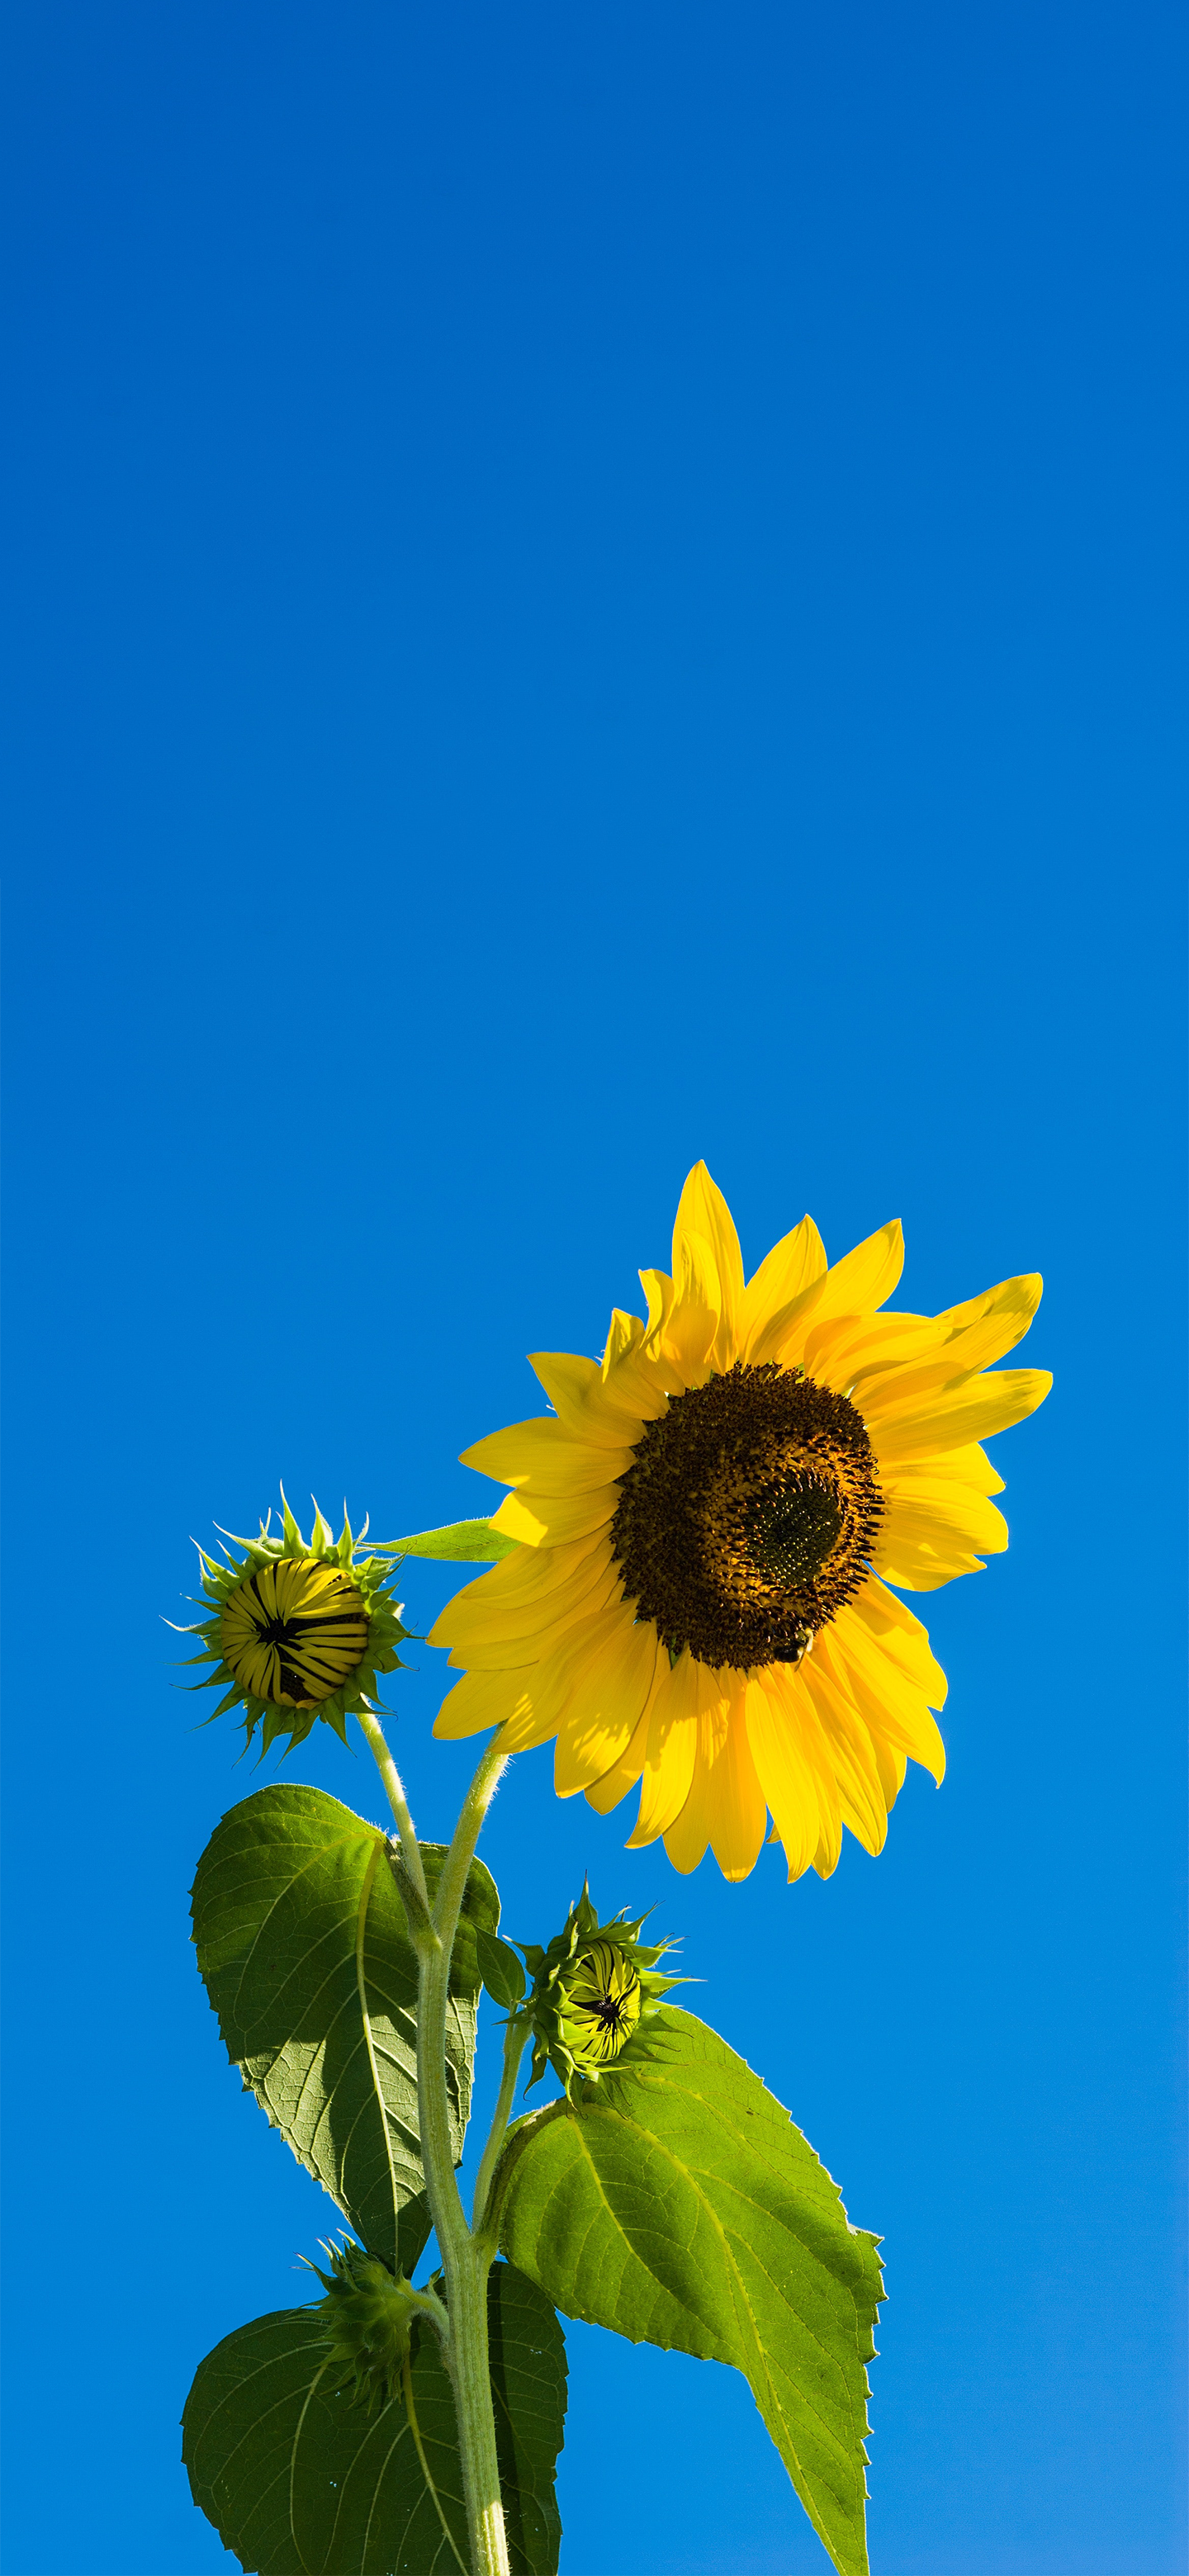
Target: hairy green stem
x: 466, y: 2261
x: 394, y: 1787
x: 515, y: 2042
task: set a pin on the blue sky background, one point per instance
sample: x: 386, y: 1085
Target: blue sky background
x: 594, y: 588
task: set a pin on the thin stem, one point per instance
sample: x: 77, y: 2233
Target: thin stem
x: 452, y: 1883
x: 515, y: 2041
x: 396, y: 1799
x: 465, y: 2262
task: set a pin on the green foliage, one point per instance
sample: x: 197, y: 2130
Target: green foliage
x: 303, y: 1946
x: 501, y: 1971
x: 300, y: 2481
x: 684, y: 2209
x: 467, y: 1542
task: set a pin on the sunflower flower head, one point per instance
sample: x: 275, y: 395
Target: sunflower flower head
x: 594, y: 1992
x: 369, y: 2314
x: 713, y: 1528
x: 296, y: 1631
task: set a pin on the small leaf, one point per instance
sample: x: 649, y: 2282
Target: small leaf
x: 473, y: 1542
x: 501, y: 1970
x: 304, y: 1949
x: 684, y: 2209
x: 298, y: 2481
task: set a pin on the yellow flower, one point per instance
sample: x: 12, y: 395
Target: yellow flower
x: 707, y: 1526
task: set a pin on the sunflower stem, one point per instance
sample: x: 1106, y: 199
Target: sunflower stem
x: 515, y: 2042
x: 394, y: 1787
x: 466, y: 2261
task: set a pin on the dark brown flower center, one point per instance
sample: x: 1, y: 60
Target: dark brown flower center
x: 748, y: 1516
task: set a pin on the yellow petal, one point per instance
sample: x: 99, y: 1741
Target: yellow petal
x: 791, y: 1267
x: 670, y: 1751
x: 478, y: 1617
x: 901, y: 1635
x: 829, y: 1850
x: 839, y: 1350
x: 965, y: 1339
x: 892, y: 1766
x: 547, y: 1688
x: 856, y: 1285
x: 658, y: 1289
x: 785, y: 1775
x: 548, y: 1451
x: 851, y: 1756
x: 625, y: 1334
x: 686, y: 1839
x: 891, y: 1705
x: 739, y: 1816
x: 636, y: 1389
x: 606, y: 1793
x: 605, y: 1704
x: 479, y: 1700
x: 703, y: 1213
x: 691, y: 1325
x: 917, y: 1567
x: 549, y: 1520
x: 688, y: 1836
x: 540, y: 1635
x: 973, y: 1410
x: 940, y: 1511
x: 864, y: 1278
x: 1009, y: 1309
x: 527, y: 1576
x: 571, y: 1383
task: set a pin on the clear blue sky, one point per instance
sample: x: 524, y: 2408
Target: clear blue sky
x: 594, y: 587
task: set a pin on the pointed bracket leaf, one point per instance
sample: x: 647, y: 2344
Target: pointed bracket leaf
x: 467, y: 1542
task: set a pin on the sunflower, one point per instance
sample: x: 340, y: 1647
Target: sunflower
x: 707, y: 1526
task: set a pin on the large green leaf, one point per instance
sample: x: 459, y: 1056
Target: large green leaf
x: 682, y: 2208
x: 302, y: 1942
x: 299, y: 2481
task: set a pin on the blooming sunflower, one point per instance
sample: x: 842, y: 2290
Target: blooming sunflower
x: 707, y: 1526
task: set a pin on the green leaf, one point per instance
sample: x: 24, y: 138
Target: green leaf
x: 299, y: 2481
x: 501, y: 1970
x: 475, y: 1542
x: 303, y: 1946
x: 682, y: 2208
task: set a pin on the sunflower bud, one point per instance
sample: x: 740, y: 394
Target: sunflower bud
x: 368, y: 2313
x: 297, y: 1631
x: 594, y: 1991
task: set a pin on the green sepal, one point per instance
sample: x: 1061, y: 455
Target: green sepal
x: 369, y: 2313
x: 501, y: 1971
x: 301, y: 2479
x: 468, y: 1542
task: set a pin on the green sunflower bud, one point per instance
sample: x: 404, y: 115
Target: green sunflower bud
x: 297, y: 1631
x: 594, y: 1992
x: 369, y: 2314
